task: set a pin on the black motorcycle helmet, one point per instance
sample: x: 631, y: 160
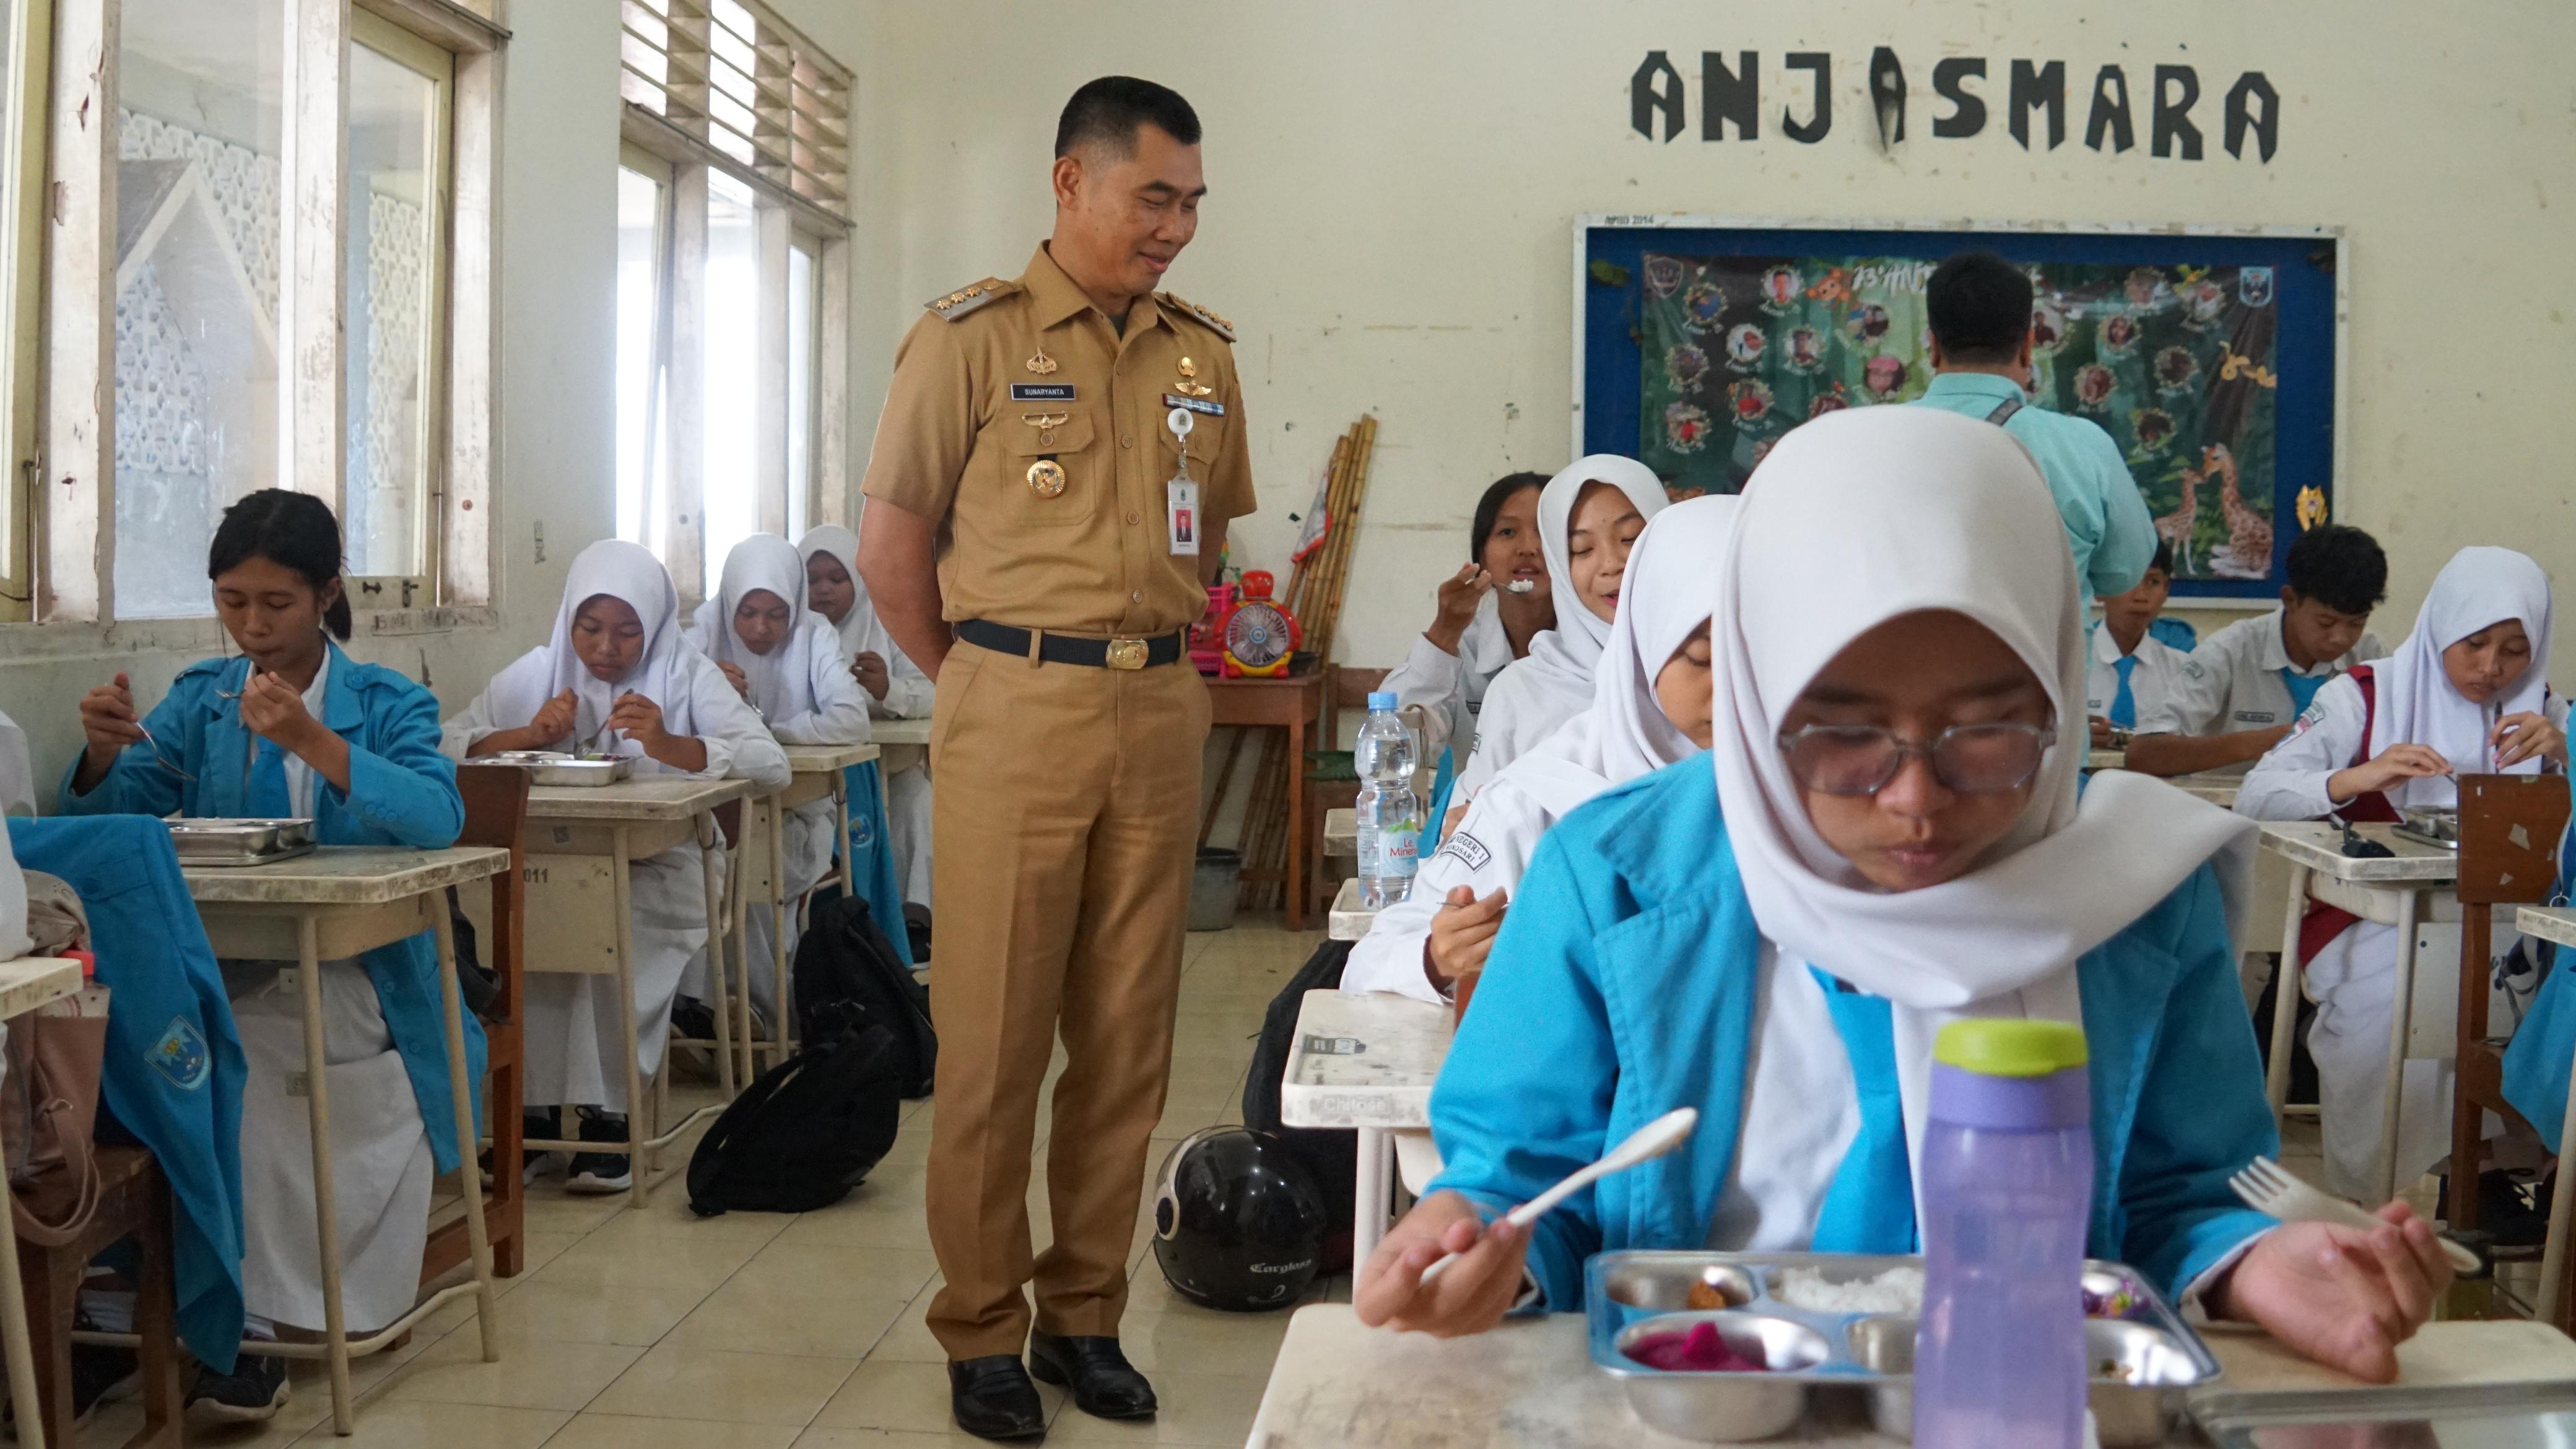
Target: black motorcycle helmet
x: 1238, y: 1220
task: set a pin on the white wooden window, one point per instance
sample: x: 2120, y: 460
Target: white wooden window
x: 737, y: 77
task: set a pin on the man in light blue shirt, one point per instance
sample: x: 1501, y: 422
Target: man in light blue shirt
x: 1979, y: 306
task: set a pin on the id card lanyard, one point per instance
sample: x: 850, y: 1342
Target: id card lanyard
x: 1181, y: 495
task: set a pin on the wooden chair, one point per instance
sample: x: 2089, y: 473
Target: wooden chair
x: 134, y: 1202
x: 496, y: 807
x: 2509, y: 830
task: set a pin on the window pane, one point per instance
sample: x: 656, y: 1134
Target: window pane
x: 733, y: 349
x: 643, y: 464
x: 196, y: 304
x: 389, y: 311
x: 800, y: 387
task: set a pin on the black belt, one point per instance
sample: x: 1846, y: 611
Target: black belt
x: 1123, y: 653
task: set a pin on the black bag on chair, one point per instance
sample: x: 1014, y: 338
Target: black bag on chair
x: 846, y: 963
x: 1331, y: 1153
x: 806, y: 1132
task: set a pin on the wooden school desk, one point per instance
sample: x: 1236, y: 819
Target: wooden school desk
x: 579, y: 843
x: 1365, y: 1061
x: 25, y: 984
x: 1291, y: 703
x: 338, y: 902
x: 2405, y: 890
x: 758, y: 875
x: 901, y: 743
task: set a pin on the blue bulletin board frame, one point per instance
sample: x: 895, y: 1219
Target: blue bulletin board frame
x: 2307, y: 261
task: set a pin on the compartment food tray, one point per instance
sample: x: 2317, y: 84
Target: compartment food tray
x: 2429, y: 825
x: 553, y: 767
x: 2153, y: 1356
x: 203, y: 841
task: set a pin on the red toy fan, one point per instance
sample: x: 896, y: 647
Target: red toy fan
x: 1260, y: 637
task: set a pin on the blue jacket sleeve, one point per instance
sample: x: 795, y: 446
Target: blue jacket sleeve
x: 137, y: 784
x: 1525, y: 1096
x: 2128, y: 531
x: 404, y: 786
x: 2202, y: 1114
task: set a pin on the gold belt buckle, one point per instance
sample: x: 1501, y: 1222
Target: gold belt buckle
x: 1127, y: 653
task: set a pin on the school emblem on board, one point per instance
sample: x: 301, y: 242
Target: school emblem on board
x: 1663, y: 275
x: 181, y: 1056
x: 2254, y: 286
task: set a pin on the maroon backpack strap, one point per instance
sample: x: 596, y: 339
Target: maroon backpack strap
x: 2371, y: 806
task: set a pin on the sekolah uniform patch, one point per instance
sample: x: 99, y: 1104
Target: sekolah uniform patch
x: 1470, y: 851
x: 180, y: 1055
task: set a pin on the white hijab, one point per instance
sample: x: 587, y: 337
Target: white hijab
x: 2415, y: 703
x: 1561, y: 659
x: 623, y: 571
x: 843, y: 546
x: 1858, y: 518
x: 782, y: 679
x: 1662, y: 601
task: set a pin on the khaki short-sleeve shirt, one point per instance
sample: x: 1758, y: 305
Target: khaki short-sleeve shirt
x: 1036, y: 435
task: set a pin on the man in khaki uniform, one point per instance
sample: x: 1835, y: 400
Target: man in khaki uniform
x: 1035, y: 541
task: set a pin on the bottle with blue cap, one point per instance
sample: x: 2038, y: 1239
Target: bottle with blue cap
x: 1390, y: 809
x: 2007, y: 1187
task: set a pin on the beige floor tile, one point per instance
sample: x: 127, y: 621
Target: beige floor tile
x: 422, y: 1425
x: 1192, y: 1340
x: 532, y: 1374
x: 889, y: 1439
x: 573, y: 1311
x: 614, y: 1431
x: 677, y: 1381
x: 614, y: 1263
x: 1210, y: 1409
x: 885, y: 1394
x: 909, y: 1340
x: 554, y: 1212
x: 668, y: 1217
x: 802, y: 1269
x: 824, y: 1321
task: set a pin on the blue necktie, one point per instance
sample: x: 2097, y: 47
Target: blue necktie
x: 2303, y: 688
x: 2124, y: 705
x: 1870, y: 1207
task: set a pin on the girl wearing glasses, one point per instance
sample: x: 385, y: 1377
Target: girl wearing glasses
x: 1650, y: 708
x: 1589, y: 517
x: 1885, y: 836
x: 2466, y: 693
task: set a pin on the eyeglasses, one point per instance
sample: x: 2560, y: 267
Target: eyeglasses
x: 1977, y: 759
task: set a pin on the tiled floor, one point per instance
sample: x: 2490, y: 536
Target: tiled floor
x: 646, y: 1329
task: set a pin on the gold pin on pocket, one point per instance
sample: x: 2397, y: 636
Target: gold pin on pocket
x: 1046, y: 478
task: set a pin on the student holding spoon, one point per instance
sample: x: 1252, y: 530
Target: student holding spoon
x: 1488, y: 613
x: 617, y: 675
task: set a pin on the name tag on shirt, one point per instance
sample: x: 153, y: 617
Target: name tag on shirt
x: 2254, y: 716
x: 1042, y: 392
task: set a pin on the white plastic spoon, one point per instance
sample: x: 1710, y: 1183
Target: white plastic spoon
x: 1651, y: 1141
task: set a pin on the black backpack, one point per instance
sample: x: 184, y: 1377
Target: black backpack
x: 806, y: 1132
x: 1331, y: 1153
x: 845, y: 965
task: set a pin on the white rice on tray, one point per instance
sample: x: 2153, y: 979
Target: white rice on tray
x: 1898, y: 1290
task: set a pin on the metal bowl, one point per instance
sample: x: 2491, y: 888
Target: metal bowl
x: 1726, y: 1408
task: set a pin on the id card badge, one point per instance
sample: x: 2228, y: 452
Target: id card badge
x: 1181, y: 515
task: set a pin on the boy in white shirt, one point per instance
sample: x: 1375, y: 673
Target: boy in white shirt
x: 2131, y: 670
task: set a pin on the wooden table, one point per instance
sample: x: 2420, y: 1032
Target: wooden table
x: 25, y: 984
x: 2403, y: 890
x: 902, y: 743
x: 1530, y: 1384
x: 1342, y: 833
x: 341, y: 901
x: 815, y: 773
x: 1349, y: 920
x: 1366, y: 1061
x: 2105, y: 759
x: 580, y: 841
x: 1292, y: 703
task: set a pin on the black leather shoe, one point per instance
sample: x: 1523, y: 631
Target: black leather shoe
x: 992, y: 1398
x: 1104, y: 1384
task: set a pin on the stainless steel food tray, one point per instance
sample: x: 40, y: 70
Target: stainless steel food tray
x: 553, y: 767
x: 2482, y: 1416
x: 1630, y: 1295
x: 2430, y: 825
x: 201, y: 841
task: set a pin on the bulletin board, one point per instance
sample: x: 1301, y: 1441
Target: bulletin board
x: 2212, y: 358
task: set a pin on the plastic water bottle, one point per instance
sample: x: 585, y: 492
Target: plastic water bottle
x: 2007, y: 1187
x: 1390, y: 813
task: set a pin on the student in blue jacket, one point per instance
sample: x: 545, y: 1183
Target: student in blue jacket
x: 1885, y: 836
x: 295, y: 727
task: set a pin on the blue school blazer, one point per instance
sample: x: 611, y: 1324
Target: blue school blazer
x: 402, y: 792
x: 2536, y: 1065
x: 1622, y: 986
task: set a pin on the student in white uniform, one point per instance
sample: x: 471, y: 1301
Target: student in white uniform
x: 2466, y: 693
x: 1885, y: 836
x: 786, y: 662
x: 897, y: 689
x: 2236, y: 695
x: 1589, y: 516
x: 1650, y: 708
x: 2132, y: 670
x: 616, y: 675
x: 1489, y: 613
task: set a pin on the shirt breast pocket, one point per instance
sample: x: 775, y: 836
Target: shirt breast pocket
x: 1052, y: 477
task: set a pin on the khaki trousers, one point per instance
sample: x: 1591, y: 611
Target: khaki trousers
x: 1063, y: 833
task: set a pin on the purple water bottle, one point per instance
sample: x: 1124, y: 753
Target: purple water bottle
x: 2007, y: 1187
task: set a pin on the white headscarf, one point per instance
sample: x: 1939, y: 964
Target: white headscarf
x: 1663, y: 600
x: 1562, y: 658
x: 2415, y: 703
x: 1858, y: 518
x: 843, y: 546
x: 782, y: 679
x: 624, y: 571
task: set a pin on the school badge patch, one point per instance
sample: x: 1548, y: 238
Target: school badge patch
x: 181, y: 1056
x: 1468, y: 849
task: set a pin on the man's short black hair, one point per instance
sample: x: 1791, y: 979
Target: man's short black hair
x: 1979, y: 306
x: 2163, y: 561
x: 1489, y: 509
x: 2340, y: 567
x: 1108, y: 111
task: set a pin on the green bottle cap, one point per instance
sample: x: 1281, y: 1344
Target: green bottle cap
x: 2010, y: 1047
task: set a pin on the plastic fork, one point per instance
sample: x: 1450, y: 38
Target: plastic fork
x: 1653, y: 1140
x: 2268, y: 1187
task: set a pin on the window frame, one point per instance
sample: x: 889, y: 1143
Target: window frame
x: 653, y: 514
x: 22, y: 255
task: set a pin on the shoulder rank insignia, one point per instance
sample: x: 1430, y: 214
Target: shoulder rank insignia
x: 966, y: 299
x: 1222, y: 327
